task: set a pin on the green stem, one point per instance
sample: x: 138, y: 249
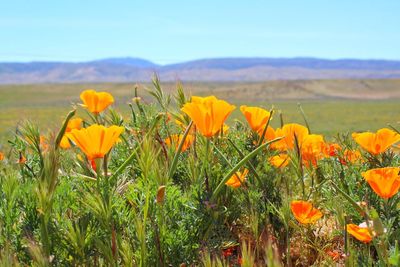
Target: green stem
x: 240, y: 164
x: 63, y: 128
x: 304, y: 117
x: 132, y: 156
x: 206, y: 164
x: 252, y: 168
x: 366, y: 217
x: 178, y: 151
x: 45, y: 234
x: 265, y: 128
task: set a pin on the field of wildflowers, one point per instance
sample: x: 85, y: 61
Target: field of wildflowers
x: 176, y: 186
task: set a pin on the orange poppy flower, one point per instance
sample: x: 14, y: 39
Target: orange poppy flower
x: 160, y: 194
x: 269, y: 134
x: 1, y: 156
x: 208, y: 113
x: 279, y: 161
x: 96, y: 102
x: 96, y: 140
x: 43, y: 143
x: 256, y: 117
x: 384, y: 181
x: 304, y: 212
x: 237, y: 179
x: 334, y: 254
x: 313, y: 148
x: 21, y: 159
x: 289, y: 131
x: 332, y: 149
x: 360, y: 233
x: 376, y: 143
x: 350, y: 156
x: 72, y: 124
x: 175, y: 140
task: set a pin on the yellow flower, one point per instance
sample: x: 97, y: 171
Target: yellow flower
x: 175, y: 140
x: 304, y: 212
x: 225, y: 129
x: 376, y: 143
x: 237, y: 179
x: 96, y: 102
x: 72, y: 124
x: 256, y: 117
x: 208, y: 113
x: 279, y: 161
x: 96, y: 140
x: 384, y: 181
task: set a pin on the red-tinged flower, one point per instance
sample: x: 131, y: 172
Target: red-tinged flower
x: 360, y: 233
x: 334, y: 254
x: 384, y: 181
x: 227, y: 252
x: 332, y: 149
x: 350, y: 156
x: 21, y: 159
x: 160, y: 197
x: 304, y: 212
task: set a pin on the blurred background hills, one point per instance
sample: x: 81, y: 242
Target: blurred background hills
x: 129, y: 69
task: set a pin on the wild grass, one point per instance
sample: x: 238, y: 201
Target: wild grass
x: 145, y: 203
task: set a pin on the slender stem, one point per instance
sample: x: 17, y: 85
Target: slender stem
x: 240, y: 164
x: 132, y: 156
x: 178, y: 151
x: 206, y: 164
x: 265, y: 128
x: 304, y: 117
x: 251, y: 166
x: 63, y: 128
x: 45, y: 234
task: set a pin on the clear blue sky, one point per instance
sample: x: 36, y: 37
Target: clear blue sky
x: 173, y: 31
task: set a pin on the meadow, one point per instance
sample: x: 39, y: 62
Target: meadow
x: 327, y: 103
x: 211, y: 175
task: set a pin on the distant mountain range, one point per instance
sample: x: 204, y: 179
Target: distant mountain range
x: 216, y: 69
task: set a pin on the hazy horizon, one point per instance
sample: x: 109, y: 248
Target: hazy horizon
x: 196, y: 59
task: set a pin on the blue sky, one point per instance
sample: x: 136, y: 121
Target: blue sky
x: 173, y: 31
